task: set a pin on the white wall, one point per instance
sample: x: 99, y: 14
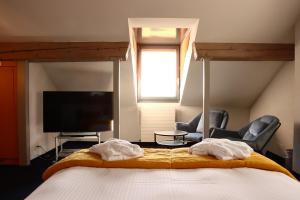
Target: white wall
x: 277, y: 99
x: 129, y: 112
x: 238, y: 117
x: 131, y: 121
x: 81, y: 76
x: 38, y: 82
x: 232, y: 83
x: 97, y: 76
x: 296, y: 156
x: 156, y: 117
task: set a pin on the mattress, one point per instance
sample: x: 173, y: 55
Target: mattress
x: 167, y: 184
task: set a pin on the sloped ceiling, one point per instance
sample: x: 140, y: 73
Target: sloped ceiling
x: 81, y: 76
x: 235, y: 83
x: 100, y: 20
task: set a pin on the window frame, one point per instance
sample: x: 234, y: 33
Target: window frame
x: 139, y: 69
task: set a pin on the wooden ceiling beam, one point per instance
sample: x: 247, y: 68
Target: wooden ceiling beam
x: 64, y: 51
x: 244, y: 51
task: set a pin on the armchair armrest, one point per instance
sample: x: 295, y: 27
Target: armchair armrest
x: 222, y: 133
x: 183, y: 126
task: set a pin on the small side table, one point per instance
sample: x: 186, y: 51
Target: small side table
x: 76, y: 137
x: 177, y: 140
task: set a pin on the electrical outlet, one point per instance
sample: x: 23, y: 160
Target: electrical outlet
x: 40, y: 149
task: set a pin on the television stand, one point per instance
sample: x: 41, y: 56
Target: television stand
x: 72, y: 137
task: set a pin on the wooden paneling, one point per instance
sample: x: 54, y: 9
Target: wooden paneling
x: 244, y: 51
x: 64, y: 51
x: 8, y: 115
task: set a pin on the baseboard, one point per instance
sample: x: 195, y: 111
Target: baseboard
x: 47, y: 156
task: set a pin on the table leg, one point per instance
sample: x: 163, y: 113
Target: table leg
x: 56, y: 149
x: 61, y: 145
x: 155, y: 138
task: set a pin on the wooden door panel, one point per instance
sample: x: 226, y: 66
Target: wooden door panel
x: 8, y: 114
x: 8, y: 64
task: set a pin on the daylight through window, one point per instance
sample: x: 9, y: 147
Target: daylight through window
x: 158, y: 74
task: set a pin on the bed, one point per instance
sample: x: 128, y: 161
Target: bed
x: 166, y: 174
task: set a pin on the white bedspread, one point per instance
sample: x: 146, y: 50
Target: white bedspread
x: 157, y: 184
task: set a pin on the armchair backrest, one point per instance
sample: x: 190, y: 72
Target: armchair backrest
x: 260, y: 130
x: 217, y: 119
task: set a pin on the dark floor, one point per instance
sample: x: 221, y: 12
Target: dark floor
x: 18, y: 182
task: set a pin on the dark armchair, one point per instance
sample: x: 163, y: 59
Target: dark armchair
x: 257, y: 134
x: 217, y: 119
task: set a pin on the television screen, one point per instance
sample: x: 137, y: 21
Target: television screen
x: 77, y: 111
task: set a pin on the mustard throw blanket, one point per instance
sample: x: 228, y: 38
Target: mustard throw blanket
x: 164, y: 159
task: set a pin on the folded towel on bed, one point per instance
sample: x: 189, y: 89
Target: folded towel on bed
x: 222, y: 149
x: 116, y: 149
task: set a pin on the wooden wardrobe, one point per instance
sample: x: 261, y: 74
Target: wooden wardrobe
x: 9, y: 147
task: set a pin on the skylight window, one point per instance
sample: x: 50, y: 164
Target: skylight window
x: 158, y: 74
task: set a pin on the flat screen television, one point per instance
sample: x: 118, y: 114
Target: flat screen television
x: 74, y: 112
